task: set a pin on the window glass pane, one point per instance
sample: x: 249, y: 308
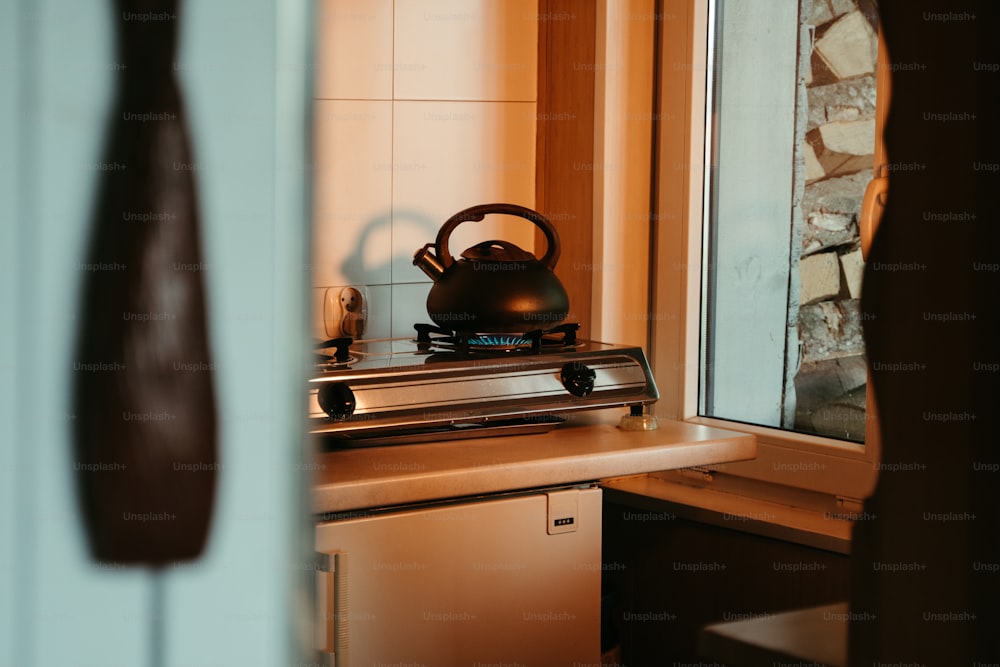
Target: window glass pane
x: 792, y: 138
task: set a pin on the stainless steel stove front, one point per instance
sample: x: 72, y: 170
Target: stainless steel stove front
x: 399, y: 386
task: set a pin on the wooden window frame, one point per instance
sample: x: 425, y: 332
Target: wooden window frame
x: 787, y: 459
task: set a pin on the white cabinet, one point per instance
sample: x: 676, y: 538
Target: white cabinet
x: 509, y: 579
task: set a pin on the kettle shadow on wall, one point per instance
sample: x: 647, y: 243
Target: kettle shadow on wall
x: 371, y: 270
x: 356, y: 269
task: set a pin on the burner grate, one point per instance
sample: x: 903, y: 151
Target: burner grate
x: 342, y: 352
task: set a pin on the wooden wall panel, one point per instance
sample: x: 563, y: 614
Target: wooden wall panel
x: 564, y: 190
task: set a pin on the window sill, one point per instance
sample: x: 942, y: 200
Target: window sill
x: 791, y: 515
x: 812, y: 464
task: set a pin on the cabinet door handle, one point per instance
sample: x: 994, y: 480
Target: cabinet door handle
x: 332, y: 610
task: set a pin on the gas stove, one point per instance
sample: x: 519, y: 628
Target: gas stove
x: 444, y: 384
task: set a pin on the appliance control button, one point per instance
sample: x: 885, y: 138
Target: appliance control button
x: 578, y: 378
x: 337, y: 400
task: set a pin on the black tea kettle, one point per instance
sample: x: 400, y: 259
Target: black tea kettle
x: 496, y: 287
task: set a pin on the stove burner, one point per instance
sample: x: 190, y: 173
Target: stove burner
x: 498, y: 341
x: 325, y: 362
x: 534, y: 342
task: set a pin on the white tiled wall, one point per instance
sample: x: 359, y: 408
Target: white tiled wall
x: 424, y: 107
x: 354, y: 49
x: 466, y: 50
x: 353, y: 191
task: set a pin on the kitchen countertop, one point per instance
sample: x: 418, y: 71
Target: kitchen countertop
x: 592, y: 448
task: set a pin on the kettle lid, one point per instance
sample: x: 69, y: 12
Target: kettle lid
x: 497, y: 251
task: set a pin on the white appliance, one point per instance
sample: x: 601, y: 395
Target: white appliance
x: 507, y: 580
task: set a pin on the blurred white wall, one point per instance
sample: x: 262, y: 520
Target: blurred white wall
x: 244, y: 69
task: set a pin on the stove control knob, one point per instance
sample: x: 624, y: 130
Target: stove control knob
x: 337, y: 400
x: 578, y: 378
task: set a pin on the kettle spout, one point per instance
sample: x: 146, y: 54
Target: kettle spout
x: 428, y: 262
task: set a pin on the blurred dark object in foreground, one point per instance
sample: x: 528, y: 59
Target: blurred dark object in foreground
x: 145, y: 421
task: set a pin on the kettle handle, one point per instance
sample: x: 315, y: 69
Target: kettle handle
x: 479, y: 212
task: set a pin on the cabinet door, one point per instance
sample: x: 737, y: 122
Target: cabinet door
x: 509, y: 580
